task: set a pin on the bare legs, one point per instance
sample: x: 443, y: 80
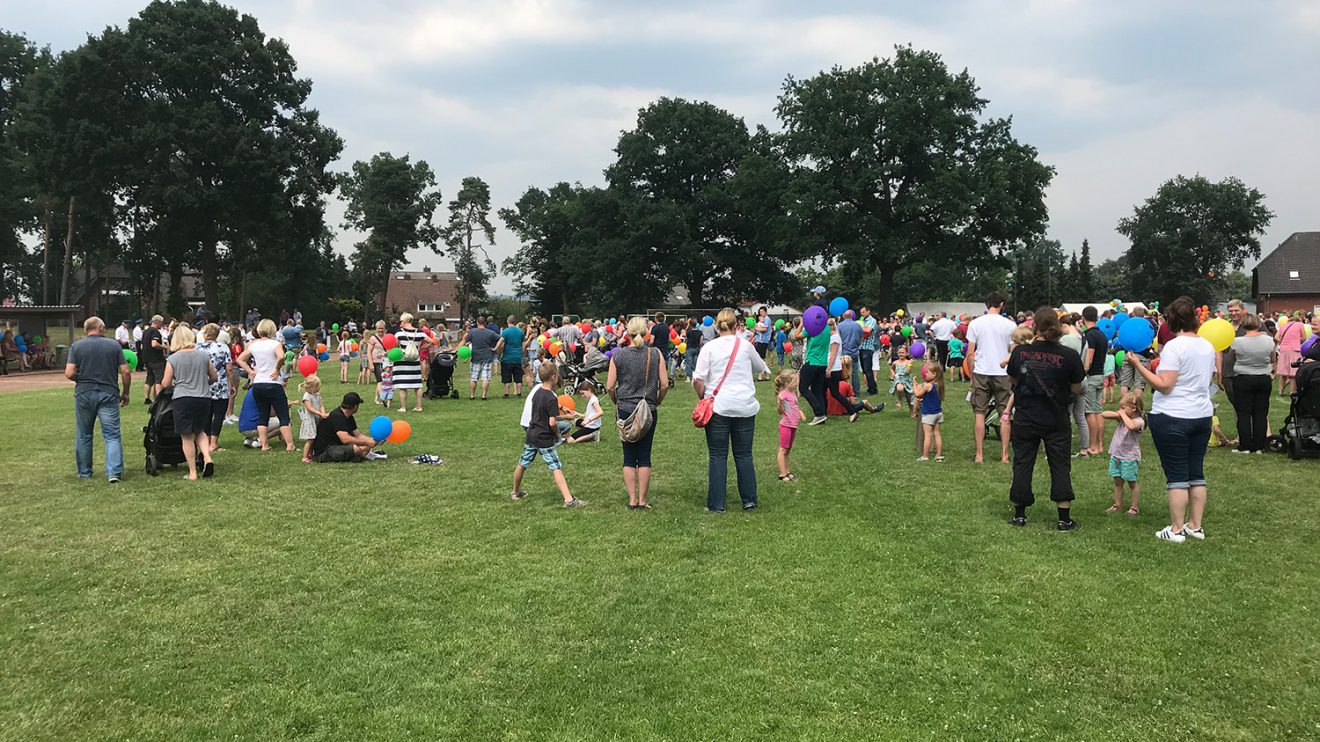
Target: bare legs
x: 637, y: 480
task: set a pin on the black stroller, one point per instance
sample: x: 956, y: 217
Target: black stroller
x: 1300, y: 435
x: 440, y: 382
x: 164, y: 446
x: 574, y: 374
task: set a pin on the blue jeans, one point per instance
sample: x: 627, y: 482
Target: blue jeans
x: 720, y: 432
x: 89, y: 406
x: 1181, y: 444
x: 856, y: 379
x: 866, y: 357
x: 690, y: 361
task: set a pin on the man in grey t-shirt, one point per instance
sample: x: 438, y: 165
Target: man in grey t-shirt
x: 98, y: 368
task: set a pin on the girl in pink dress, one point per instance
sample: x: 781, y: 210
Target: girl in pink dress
x: 1289, y: 337
x: 790, y: 414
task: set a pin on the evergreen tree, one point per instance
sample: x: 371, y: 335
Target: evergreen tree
x: 1085, y: 274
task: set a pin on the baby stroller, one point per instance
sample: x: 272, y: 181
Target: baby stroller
x: 164, y: 446
x: 1300, y: 435
x: 439, y: 383
x: 574, y: 374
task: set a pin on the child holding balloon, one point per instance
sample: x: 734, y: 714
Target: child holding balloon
x: 929, y: 396
x: 310, y: 414
x: 588, y: 423
x: 387, y: 382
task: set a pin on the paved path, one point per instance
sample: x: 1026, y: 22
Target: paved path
x: 33, y: 381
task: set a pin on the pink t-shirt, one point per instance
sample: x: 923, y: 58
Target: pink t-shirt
x: 1291, y: 336
x: 792, y: 413
x: 1126, y: 445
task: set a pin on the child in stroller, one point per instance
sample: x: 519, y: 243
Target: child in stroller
x: 573, y: 375
x: 1300, y: 434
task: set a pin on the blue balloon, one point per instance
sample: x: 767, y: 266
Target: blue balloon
x: 324, y: 356
x: 1106, y: 326
x: 354, y: 354
x: 1136, y: 335
x: 708, y: 320
x: 814, y: 321
x: 380, y: 427
x: 1119, y: 319
x: 838, y: 306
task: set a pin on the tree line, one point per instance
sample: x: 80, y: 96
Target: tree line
x: 183, y: 142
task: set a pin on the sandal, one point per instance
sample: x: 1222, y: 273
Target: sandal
x: 1113, y: 508
x: 785, y: 478
x: 1133, y: 511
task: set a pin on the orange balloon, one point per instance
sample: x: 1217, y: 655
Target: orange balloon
x: 566, y: 403
x: 320, y: 347
x: 400, y: 432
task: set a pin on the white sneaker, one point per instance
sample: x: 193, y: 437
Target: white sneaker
x: 1167, y: 534
x: 818, y: 420
x: 375, y: 455
x: 1196, y: 533
x: 231, y: 420
x: 922, y: 458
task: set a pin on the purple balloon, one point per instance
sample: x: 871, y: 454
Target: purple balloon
x: 918, y: 350
x: 609, y: 353
x: 1306, y: 346
x: 814, y: 320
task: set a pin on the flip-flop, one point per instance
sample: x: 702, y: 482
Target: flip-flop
x: 1113, y: 508
x: 208, y: 470
x: 1133, y: 511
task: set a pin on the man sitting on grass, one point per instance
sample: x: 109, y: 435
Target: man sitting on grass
x: 337, y: 438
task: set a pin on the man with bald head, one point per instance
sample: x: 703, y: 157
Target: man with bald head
x: 98, y: 368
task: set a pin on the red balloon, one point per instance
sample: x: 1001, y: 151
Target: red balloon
x: 307, y: 365
x: 788, y: 347
x: 884, y: 340
x: 389, y: 341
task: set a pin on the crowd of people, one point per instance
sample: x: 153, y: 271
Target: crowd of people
x: 1033, y: 378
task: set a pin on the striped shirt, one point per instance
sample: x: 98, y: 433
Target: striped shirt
x: 408, y: 374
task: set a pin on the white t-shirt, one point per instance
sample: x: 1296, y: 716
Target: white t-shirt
x: 992, y: 334
x: 835, y: 339
x: 1194, y: 360
x: 266, y: 357
x: 123, y: 335
x: 943, y: 329
x: 737, y: 397
x: 526, y: 420
x: 137, y: 334
x: 593, y: 408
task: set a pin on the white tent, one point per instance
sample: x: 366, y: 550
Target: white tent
x: 1101, y: 308
x: 952, y: 308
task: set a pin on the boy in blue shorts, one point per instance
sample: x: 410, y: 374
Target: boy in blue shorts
x: 543, y: 436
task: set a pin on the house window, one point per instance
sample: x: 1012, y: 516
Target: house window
x: 428, y: 307
x: 1294, y: 276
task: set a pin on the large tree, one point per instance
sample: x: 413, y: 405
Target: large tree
x: 393, y: 200
x: 1190, y: 234
x: 20, y: 274
x: 1039, y: 275
x: 542, y: 267
x: 898, y: 166
x: 708, y: 200
x: 469, y: 224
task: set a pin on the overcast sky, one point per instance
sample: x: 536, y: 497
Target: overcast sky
x: 1118, y: 95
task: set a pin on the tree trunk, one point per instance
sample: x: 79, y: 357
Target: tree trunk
x: 886, y: 299
x: 68, y: 254
x: 89, y: 291
x: 45, y: 255
x: 210, y: 275
x: 385, y: 294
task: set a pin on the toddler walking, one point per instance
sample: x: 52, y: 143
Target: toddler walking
x: 790, y: 414
x: 310, y: 414
x: 1125, y: 450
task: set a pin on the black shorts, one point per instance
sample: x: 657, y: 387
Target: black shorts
x: 271, y: 402
x: 217, y: 423
x: 761, y: 348
x: 155, y: 372
x: 510, y: 373
x: 375, y: 370
x: 337, y: 453
x: 192, y: 415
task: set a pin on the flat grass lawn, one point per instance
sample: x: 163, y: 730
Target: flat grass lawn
x: 875, y: 598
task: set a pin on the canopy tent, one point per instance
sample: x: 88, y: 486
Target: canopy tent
x: 952, y: 308
x: 1101, y: 308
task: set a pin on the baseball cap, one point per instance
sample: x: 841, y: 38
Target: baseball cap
x: 157, y: 318
x: 352, y: 399
x: 818, y: 290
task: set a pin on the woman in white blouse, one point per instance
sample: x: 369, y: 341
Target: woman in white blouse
x: 733, y: 424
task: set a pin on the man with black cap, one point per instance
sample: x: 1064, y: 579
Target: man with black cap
x: 337, y: 437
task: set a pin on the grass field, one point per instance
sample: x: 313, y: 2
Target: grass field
x: 875, y: 598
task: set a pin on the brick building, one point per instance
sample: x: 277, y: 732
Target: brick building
x: 424, y: 293
x: 1289, y: 278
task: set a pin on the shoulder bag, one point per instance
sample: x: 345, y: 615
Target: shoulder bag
x: 635, y: 427
x: 706, y: 407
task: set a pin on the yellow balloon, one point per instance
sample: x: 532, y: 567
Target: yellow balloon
x: 601, y: 343
x: 682, y: 348
x: 1306, y: 331
x: 899, y: 312
x: 1219, y: 332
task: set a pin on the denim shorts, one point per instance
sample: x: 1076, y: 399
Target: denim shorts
x: 548, y: 455
x: 1124, y: 469
x: 1181, y: 443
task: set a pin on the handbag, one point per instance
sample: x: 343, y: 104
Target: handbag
x: 412, y: 351
x: 635, y: 427
x: 701, y: 414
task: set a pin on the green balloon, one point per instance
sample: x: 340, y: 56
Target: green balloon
x: 464, y: 352
x: 1119, y: 357
x: 131, y: 359
x: 395, y: 354
x: 779, y: 324
x: 289, y: 356
x: 907, y: 331
x: 751, y: 322
x: 36, y: 339
x: 335, y: 327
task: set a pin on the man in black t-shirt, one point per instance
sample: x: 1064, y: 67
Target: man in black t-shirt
x: 153, y: 359
x: 337, y: 437
x: 1093, y: 361
x: 1045, y: 376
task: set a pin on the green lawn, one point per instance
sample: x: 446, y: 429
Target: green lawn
x: 876, y: 598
